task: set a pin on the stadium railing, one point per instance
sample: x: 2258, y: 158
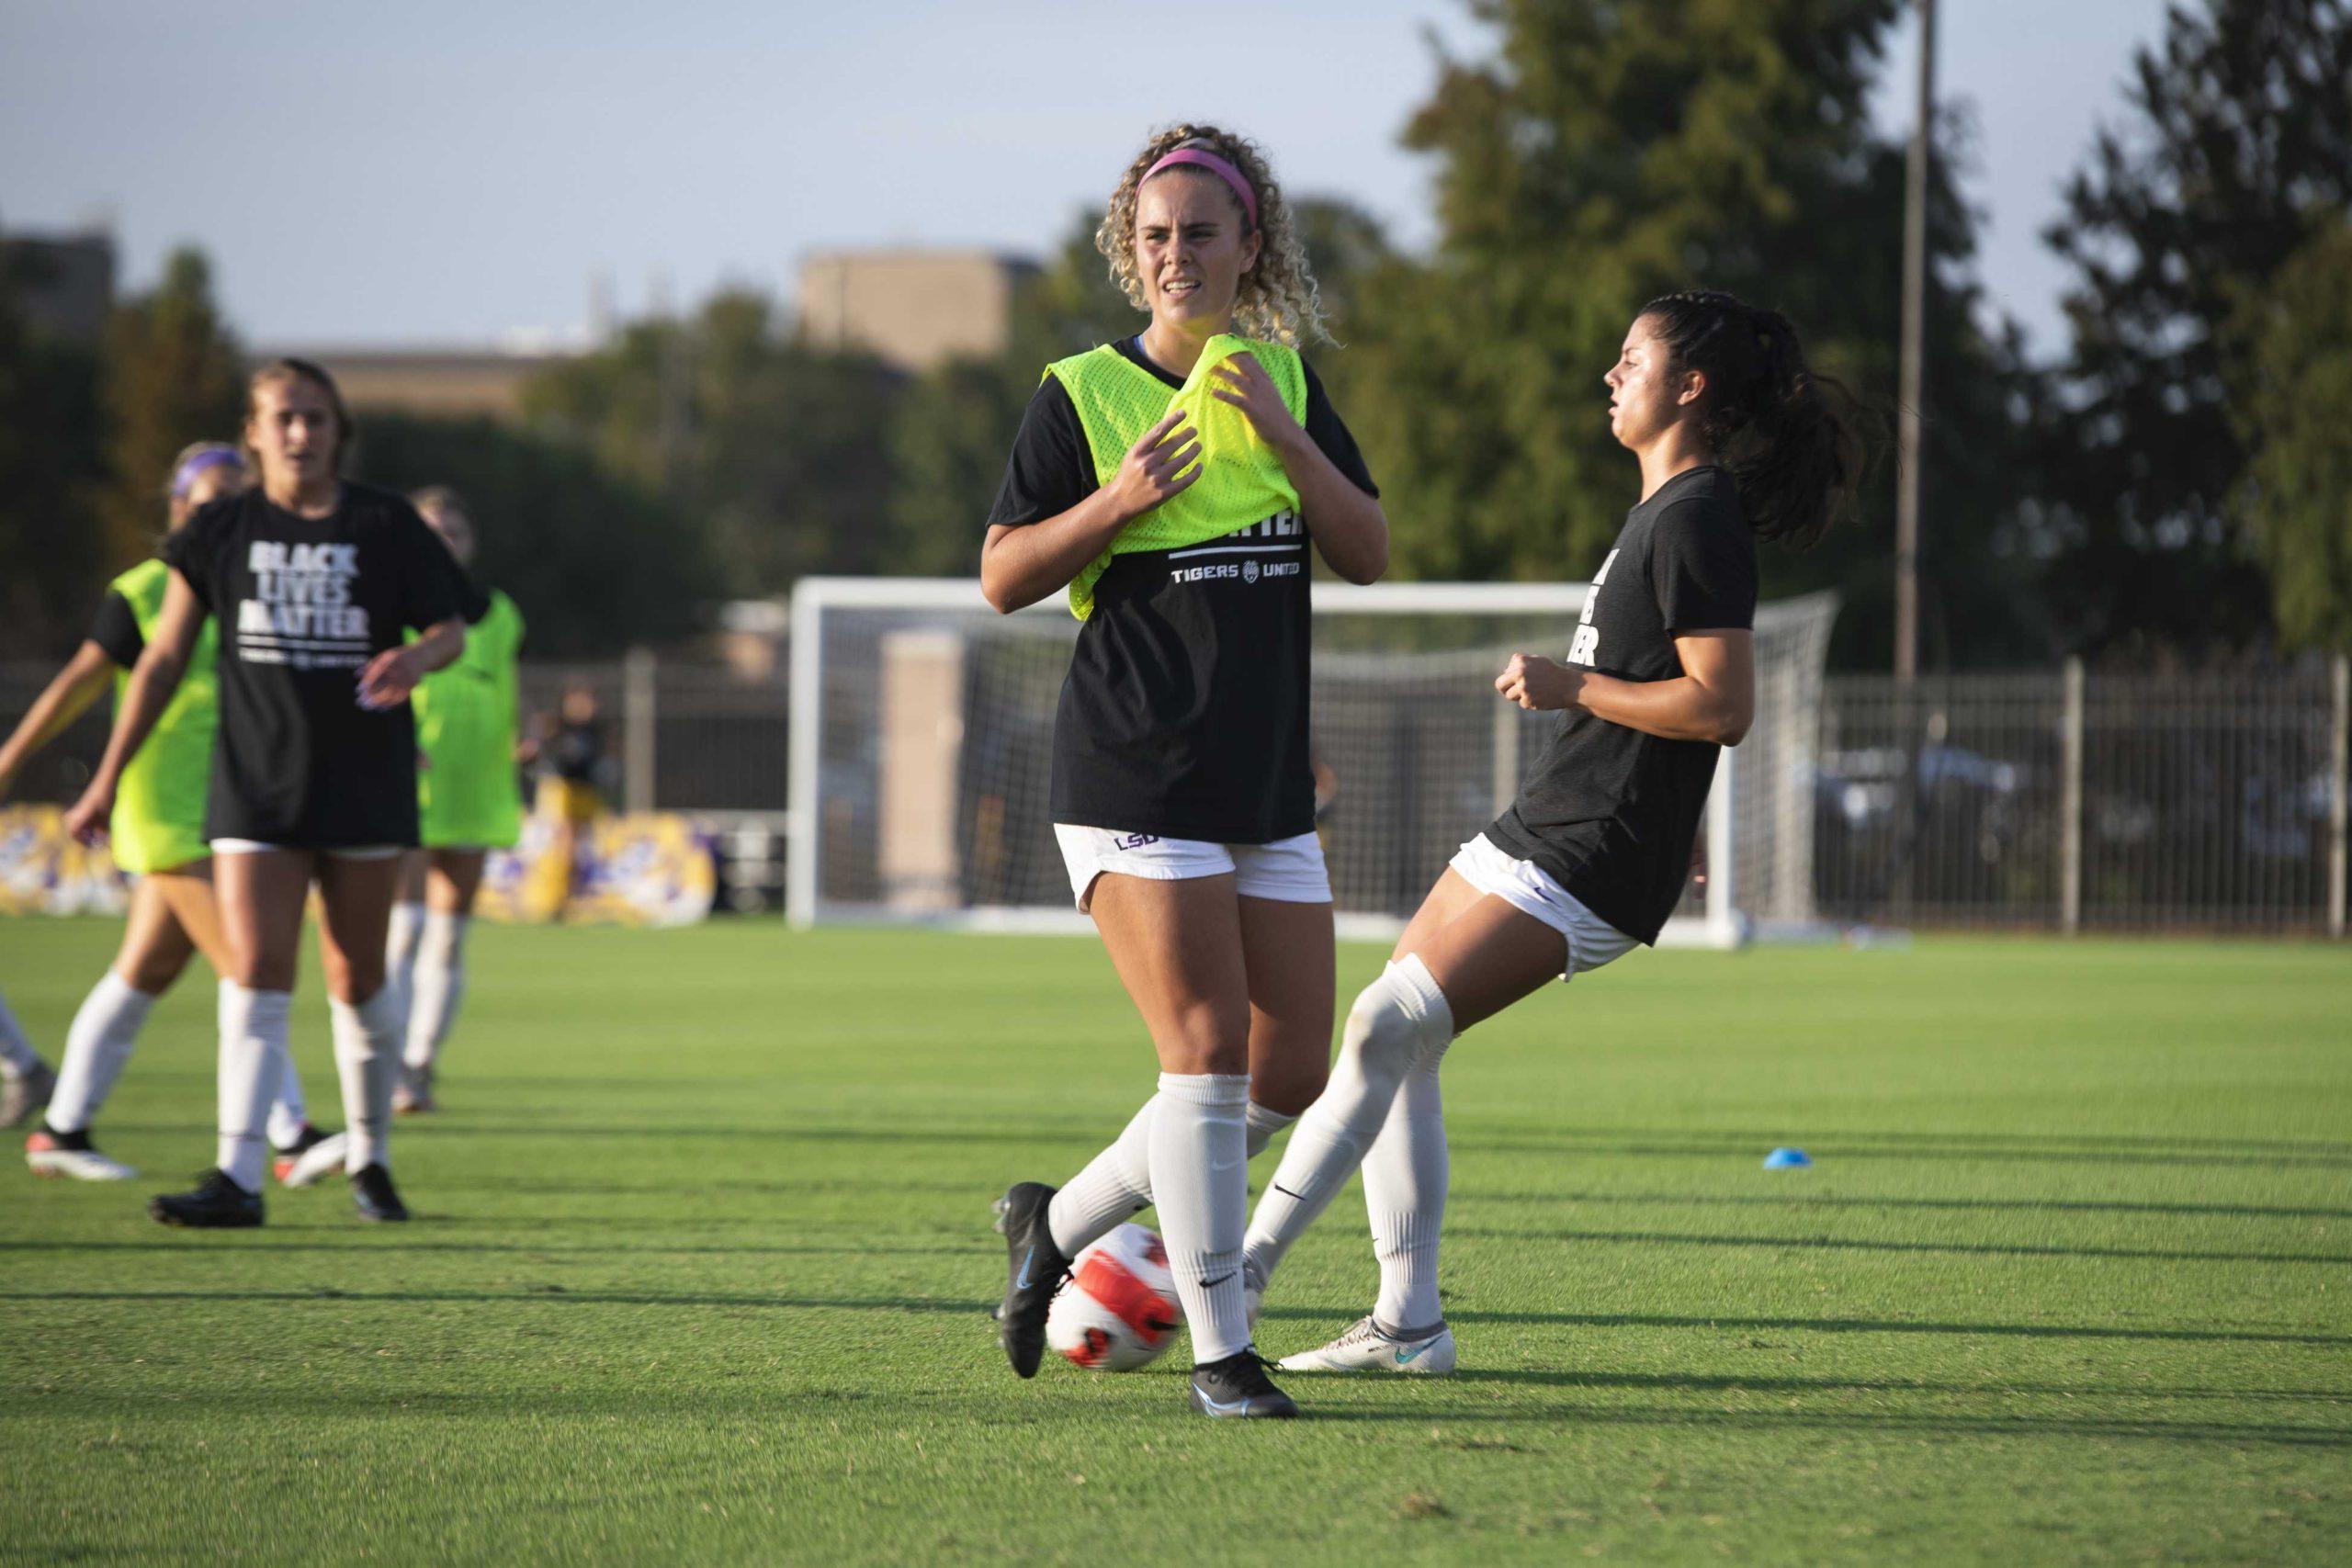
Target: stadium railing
x: 2038, y: 800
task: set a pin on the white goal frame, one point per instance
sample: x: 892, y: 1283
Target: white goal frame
x: 1722, y: 926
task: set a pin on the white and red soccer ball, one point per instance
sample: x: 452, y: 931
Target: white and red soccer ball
x: 1118, y: 1310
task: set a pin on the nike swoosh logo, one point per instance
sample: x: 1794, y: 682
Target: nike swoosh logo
x: 1229, y: 1164
x: 1221, y: 1408
x: 1407, y: 1358
x: 1212, y: 1284
x: 1029, y: 1258
x: 1288, y: 1193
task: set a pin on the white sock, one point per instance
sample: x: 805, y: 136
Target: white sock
x: 1405, y: 1176
x: 1115, y: 1186
x: 104, y: 1033
x: 1395, y: 1020
x: 400, y: 940
x: 400, y: 948
x: 290, y: 1113
x: 1200, y: 1178
x: 1264, y: 1124
x: 253, y: 1056
x: 368, y: 1057
x: 16, y: 1053
x: 435, y: 988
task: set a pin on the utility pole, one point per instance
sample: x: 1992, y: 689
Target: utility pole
x: 1915, y: 310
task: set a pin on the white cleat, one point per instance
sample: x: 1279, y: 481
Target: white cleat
x: 321, y: 1158
x: 1367, y: 1348
x: 44, y: 1156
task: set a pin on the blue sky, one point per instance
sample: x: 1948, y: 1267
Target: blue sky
x: 457, y: 172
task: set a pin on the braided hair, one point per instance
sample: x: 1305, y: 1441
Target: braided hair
x: 1786, y: 433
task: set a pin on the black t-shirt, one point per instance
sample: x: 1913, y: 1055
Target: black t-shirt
x: 115, y: 628
x: 303, y: 605
x: 1184, y: 712
x: 1611, y: 812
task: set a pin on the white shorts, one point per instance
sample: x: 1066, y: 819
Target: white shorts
x: 1288, y: 869
x: 1527, y: 887
x: 340, y: 851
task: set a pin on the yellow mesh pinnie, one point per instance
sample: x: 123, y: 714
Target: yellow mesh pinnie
x: 1242, y: 480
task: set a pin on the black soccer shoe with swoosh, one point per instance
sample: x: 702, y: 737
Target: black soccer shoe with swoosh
x: 1238, y: 1388
x: 217, y: 1203
x: 1034, y: 1270
x: 375, y: 1196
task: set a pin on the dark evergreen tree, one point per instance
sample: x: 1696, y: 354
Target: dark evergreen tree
x: 173, y: 374
x: 2236, y: 155
x: 780, y: 450
x: 596, y: 561
x: 1611, y: 150
x: 52, y: 469
x: 2293, y: 400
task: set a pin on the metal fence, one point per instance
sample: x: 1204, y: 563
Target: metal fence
x: 2040, y: 800
x: 2085, y: 802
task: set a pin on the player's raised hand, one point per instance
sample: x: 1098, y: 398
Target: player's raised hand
x: 1242, y: 381
x: 1536, y: 683
x: 1163, y: 462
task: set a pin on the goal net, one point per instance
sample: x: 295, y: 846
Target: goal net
x: 922, y: 735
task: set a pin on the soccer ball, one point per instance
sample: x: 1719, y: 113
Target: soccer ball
x: 1119, y: 1311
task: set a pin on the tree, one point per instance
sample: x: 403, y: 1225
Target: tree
x: 1611, y: 150
x: 948, y: 441
x: 779, y: 448
x: 2293, y: 402
x: 173, y: 374
x: 2237, y: 154
x: 51, y: 467
x: 595, y: 561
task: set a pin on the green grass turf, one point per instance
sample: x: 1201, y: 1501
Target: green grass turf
x: 702, y: 1256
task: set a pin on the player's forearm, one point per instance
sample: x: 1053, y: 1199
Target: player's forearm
x: 1679, y: 709
x: 153, y: 681
x: 440, y: 645
x: 1022, y: 566
x: 1349, y: 529
x: 63, y: 700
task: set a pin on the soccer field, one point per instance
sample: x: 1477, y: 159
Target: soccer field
x: 702, y: 1265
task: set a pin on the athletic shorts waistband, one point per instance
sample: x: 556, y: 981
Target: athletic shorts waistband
x: 1288, y: 871
x: 338, y: 851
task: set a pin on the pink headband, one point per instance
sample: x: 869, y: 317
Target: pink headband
x: 1201, y: 158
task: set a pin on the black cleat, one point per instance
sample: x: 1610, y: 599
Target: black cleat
x: 371, y: 1189
x: 217, y: 1203
x: 1238, y: 1388
x: 1034, y: 1270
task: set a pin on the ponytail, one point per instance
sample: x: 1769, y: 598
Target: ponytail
x: 1786, y: 433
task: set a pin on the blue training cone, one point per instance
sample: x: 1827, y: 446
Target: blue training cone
x: 1788, y: 1159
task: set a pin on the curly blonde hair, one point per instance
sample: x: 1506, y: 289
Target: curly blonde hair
x: 1278, y: 299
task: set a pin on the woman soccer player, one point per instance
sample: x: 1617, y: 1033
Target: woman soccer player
x: 157, y: 831
x: 466, y: 804
x: 1738, y: 440
x: 1172, y: 481
x: 312, y: 581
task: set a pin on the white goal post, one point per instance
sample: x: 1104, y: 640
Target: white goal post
x: 922, y: 723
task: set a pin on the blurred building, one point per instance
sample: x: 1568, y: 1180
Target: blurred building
x: 442, y: 382
x: 62, y: 283
x: 913, y: 307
